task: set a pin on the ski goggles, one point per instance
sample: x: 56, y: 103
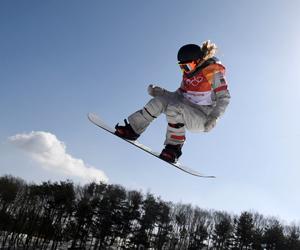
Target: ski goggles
x: 188, y: 67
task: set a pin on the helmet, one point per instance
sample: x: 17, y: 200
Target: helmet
x: 188, y: 53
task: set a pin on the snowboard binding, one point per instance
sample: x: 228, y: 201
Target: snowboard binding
x: 126, y: 132
x: 171, y: 153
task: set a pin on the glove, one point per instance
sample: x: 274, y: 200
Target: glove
x: 155, y: 90
x: 210, y: 123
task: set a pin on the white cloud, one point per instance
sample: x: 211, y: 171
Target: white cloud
x: 50, y: 153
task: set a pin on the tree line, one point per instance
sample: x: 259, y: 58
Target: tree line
x: 62, y: 215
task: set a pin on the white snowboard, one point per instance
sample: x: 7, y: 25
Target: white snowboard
x: 95, y: 119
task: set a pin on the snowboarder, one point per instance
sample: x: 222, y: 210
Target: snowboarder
x: 196, y: 105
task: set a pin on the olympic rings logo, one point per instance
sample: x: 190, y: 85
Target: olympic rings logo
x: 194, y: 81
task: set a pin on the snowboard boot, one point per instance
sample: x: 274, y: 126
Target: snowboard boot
x: 126, y: 132
x: 171, y: 153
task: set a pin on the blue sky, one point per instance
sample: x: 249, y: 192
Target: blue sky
x: 60, y: 60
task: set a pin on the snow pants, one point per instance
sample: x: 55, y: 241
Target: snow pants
x: 180, y: 114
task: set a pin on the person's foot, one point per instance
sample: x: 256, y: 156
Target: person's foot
x: 171, y: 153
x: 126, y: 132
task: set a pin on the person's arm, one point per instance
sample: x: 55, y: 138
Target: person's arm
x: 220, y: 88
x: 216, y: 75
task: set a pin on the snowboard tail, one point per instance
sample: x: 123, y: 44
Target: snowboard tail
x: 95, y: 119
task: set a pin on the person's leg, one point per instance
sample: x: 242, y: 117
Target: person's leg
x: 194, y: 118
x: 175, y: 136
x: 181, y: 115
x: 140, y: 120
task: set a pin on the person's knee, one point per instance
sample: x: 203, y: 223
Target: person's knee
x: 174, y: 114
x: 154, y: 108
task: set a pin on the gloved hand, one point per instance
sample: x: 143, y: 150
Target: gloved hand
x: 155, y: 90
x: 210, y: 123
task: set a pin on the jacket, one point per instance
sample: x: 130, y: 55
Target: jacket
x: 206, y: 88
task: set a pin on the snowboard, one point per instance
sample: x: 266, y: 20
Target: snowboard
x: 95, y: 119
